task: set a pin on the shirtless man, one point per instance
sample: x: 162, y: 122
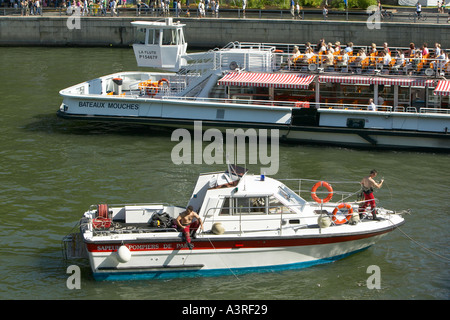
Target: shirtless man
x: 185, y: 224
x: 368, y: 183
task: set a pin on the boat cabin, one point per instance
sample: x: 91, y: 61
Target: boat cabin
x: 160, y: 44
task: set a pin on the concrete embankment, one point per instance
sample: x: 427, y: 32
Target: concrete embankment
x: 206, y: 33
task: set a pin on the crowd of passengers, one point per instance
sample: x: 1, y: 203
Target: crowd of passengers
x: 337, y: 57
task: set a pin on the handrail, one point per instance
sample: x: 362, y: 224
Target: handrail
x: 367, y: 64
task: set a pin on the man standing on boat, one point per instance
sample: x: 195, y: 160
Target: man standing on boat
x: 185, y: 223
x: 367, y: 184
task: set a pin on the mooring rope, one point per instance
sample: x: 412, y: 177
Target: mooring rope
x: 420, y: 244
x: 223, y: 260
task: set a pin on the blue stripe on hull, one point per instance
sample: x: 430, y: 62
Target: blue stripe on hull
x: 122, y: 276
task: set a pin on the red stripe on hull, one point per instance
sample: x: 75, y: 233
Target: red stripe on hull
x: 230, y: 244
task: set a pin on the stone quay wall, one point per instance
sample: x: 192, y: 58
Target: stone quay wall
x: 207, y: 33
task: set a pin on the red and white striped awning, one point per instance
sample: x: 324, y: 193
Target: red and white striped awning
x: 376, y: 80
x: 276, y: 80
x: 442, y: 88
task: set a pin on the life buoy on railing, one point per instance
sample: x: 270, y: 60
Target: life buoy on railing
x: 149, y: 87
x: 160, y: 82
x: 348, y: 215
x: 322, y: 184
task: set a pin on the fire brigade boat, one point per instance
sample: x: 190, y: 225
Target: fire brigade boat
x: 252, y: 223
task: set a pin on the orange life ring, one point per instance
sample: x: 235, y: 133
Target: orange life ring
x: 347, y: 217
x: 149, y: 87
x: 161, y: 81
x: 322, y: 184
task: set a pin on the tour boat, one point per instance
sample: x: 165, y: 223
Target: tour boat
x: 252, y: 223
x: 256, y: 85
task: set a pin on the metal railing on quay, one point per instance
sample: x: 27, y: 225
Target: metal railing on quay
x: 400, y: 15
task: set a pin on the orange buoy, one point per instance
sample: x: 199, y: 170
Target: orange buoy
x: 322, y: 184
x: 347, y: 217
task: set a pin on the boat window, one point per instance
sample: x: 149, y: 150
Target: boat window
x: 180, y: 39
x: 294, y: 199
x: 244, y: 206
x: 140, y: 36
x: 433, y: 100
x: 347, y: 94
x: 276, y: 207
x: 170, y: 37
x: 226, y: 208
x: 404, y: 96
x: 153, y: 36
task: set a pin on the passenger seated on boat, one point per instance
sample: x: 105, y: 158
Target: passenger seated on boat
x: 186, y: 224
x: 440, y: 62
x: 349, y: 48
x: 328, y: 61
x: 342, y: 61
x: 386, y: 60
x: 399, y: 60
x: 321, y: 47
x: 385, y: 47
x: 356, y: 61
x: 330, y: 48
x: 416, y: 61
x: 373, y: 49
x: 337, y: 47
x: 294, y: 57
x: 412, y: 50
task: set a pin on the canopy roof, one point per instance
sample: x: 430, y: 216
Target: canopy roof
x: 276, y: 80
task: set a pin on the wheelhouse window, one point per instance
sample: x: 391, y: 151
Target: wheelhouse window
x: 254, y: 206
x: 140, y: 36
x: 170, y: 37
x: 244, y: 206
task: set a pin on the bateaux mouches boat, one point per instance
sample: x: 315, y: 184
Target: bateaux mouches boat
x: 251, y: 223
x: 310, y: 98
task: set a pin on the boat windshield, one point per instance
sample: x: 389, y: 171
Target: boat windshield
x: 294, y: 199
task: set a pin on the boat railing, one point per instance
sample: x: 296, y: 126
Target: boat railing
x: 308, y: 104
x: 370, y: 64
x: 344, y: 195
x: 434, y: 110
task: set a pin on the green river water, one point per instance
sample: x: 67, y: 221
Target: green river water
x: 51, y: 170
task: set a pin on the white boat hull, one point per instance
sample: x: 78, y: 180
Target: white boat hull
x: 215, y: 255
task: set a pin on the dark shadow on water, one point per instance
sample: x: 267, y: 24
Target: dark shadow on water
x: 51, y: 123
